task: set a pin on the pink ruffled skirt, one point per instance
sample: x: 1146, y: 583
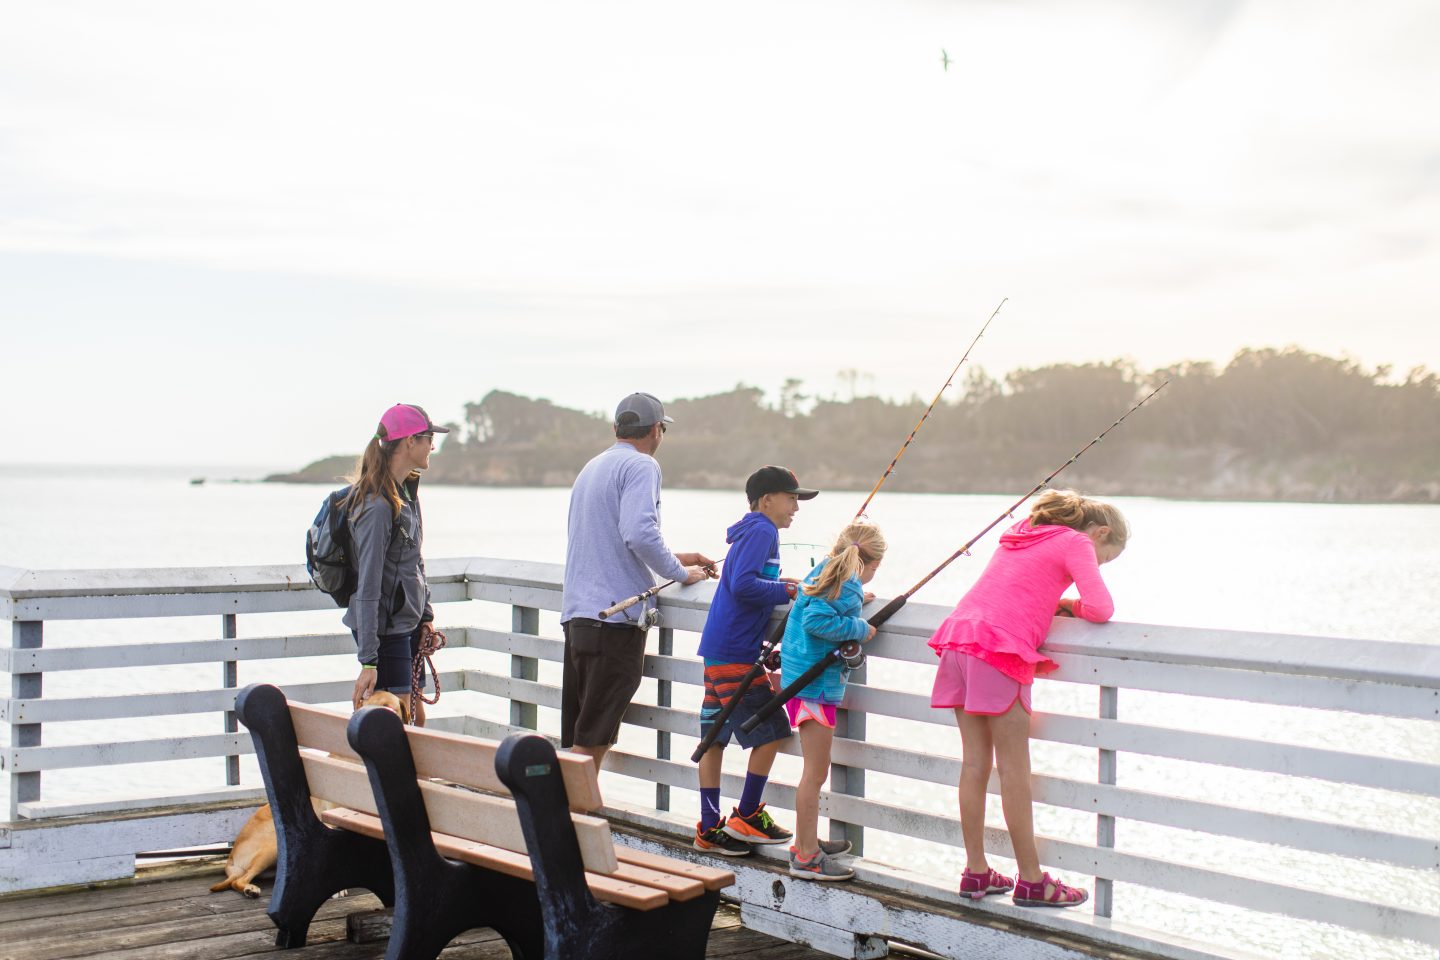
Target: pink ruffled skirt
x: 1015, y: 658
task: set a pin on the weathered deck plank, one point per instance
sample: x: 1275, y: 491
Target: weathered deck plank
x: 177, y: 918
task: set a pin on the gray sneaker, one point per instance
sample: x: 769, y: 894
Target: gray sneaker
x: 834, y: 848
x: 819, y: 867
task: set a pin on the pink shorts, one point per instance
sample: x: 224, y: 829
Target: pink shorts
x: 802, y: 710
x: 971, y: 683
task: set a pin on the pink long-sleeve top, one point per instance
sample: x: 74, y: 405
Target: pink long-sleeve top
x: 1005, y: 616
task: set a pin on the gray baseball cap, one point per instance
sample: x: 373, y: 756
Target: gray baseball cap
x: 640, y: 410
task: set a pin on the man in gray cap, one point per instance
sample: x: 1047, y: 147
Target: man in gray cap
x: 613, y: 551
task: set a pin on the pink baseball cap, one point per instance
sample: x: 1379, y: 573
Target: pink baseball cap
x: 405, y: 420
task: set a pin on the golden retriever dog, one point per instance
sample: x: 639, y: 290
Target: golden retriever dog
x: 254, y: 850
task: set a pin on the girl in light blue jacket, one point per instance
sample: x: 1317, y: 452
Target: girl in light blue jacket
x: 825, y: 614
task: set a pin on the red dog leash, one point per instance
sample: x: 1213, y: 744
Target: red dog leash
x: 431, y: 642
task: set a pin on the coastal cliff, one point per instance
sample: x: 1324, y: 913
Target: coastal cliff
x: 1270, y: 425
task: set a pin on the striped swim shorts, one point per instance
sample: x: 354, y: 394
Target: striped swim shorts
x: 721, y: 681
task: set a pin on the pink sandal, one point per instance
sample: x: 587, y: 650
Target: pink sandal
x: 976, y: 885
x: 1061, y: 895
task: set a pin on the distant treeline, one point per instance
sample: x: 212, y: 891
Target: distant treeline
x: 1270, y: 425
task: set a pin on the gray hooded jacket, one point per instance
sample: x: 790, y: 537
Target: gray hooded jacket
x: 391, y: 595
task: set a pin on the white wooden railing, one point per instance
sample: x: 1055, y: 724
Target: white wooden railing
x: 888, y: 729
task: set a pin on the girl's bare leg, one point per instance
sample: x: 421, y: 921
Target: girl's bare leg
x: 976, y: 758
x: 815, y: 741
x: 1011, y: 732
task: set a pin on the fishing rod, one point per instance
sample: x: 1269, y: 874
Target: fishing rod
x: 948, y: 380
x: 768, y: 657
x: 641, y: 597
x: 646, y: 595
x: 850, y: 651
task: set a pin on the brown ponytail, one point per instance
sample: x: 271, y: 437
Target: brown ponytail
x: 858, y: 544
x: 372, y: 475
x: 1066, y: 508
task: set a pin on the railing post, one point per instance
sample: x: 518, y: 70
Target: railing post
x: 662, y: 699
x: 1105, y: 824
x: 25, y: 787
x: 849, y: 780
x: 524, y: 620
x: 230, y: 679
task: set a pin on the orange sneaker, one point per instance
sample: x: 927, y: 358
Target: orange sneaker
x: 716, y: 840
x: 759, y: 827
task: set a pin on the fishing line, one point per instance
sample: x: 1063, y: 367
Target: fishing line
x: 851, y: 653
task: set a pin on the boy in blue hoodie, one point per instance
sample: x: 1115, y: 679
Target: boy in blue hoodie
x: 750, y: 588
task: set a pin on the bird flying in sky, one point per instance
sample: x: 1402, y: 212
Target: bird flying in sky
x: 944, y: 60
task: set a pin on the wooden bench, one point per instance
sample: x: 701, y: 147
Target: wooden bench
x: 535, y: 864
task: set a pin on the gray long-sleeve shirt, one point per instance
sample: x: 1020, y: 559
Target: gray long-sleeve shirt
x: 614, y: 539
x: 391, y: 595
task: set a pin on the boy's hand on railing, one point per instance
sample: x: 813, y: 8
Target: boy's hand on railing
x: 871, y: 634
x: 869, y: 597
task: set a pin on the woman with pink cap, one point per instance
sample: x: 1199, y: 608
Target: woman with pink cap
x: 390, y: 613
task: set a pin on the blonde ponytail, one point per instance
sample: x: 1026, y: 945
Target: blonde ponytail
x: 1066, y: 508
x: 858, y: 544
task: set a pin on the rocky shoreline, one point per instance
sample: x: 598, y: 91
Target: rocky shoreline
x: 1321, y: 484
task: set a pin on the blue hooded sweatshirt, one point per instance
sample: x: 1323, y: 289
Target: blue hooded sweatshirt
x: 748, y: 592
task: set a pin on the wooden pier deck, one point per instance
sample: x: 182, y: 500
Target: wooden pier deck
x: 170, y: 914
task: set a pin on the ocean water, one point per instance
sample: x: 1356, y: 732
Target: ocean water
x: 1331, y: 570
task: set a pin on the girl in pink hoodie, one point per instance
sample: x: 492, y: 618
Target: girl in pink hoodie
x: 989, y: 650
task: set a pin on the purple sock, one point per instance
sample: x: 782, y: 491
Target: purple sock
x: 750, y: 797
x: 709, y: 807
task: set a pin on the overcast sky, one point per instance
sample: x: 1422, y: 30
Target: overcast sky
x: 234, y: 233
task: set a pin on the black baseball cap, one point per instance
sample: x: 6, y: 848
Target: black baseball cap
x: 775, y: 480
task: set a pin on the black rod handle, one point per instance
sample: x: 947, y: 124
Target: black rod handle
x: 877, y: 620
x: 720, y: 718
x: 798, y: 684
x: 746, y: 681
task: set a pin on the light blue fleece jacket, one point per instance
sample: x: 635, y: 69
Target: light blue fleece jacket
x: 614, y: 539
x: 816, y: 626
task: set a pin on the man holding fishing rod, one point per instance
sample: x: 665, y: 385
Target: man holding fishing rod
x: 614, y: 549
x: 750, y: 588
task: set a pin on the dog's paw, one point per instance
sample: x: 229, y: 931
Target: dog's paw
x: 251, y: 891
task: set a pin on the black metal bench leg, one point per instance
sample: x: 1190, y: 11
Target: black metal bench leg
x: 576, y: 926
x: 314, y: 861
x: 436, y: 899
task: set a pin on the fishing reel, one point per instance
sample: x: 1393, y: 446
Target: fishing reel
x: 772, y: 661
x: 649, y: 619
x: 851, y: 654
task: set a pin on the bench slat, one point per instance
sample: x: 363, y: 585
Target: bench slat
x: 607, y: 889
x: 710, y: 877
x: 322, y: 730
x: 460, y: 813
x: 471, y: 761
x: 674, y: 885
x: 446, y: 756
